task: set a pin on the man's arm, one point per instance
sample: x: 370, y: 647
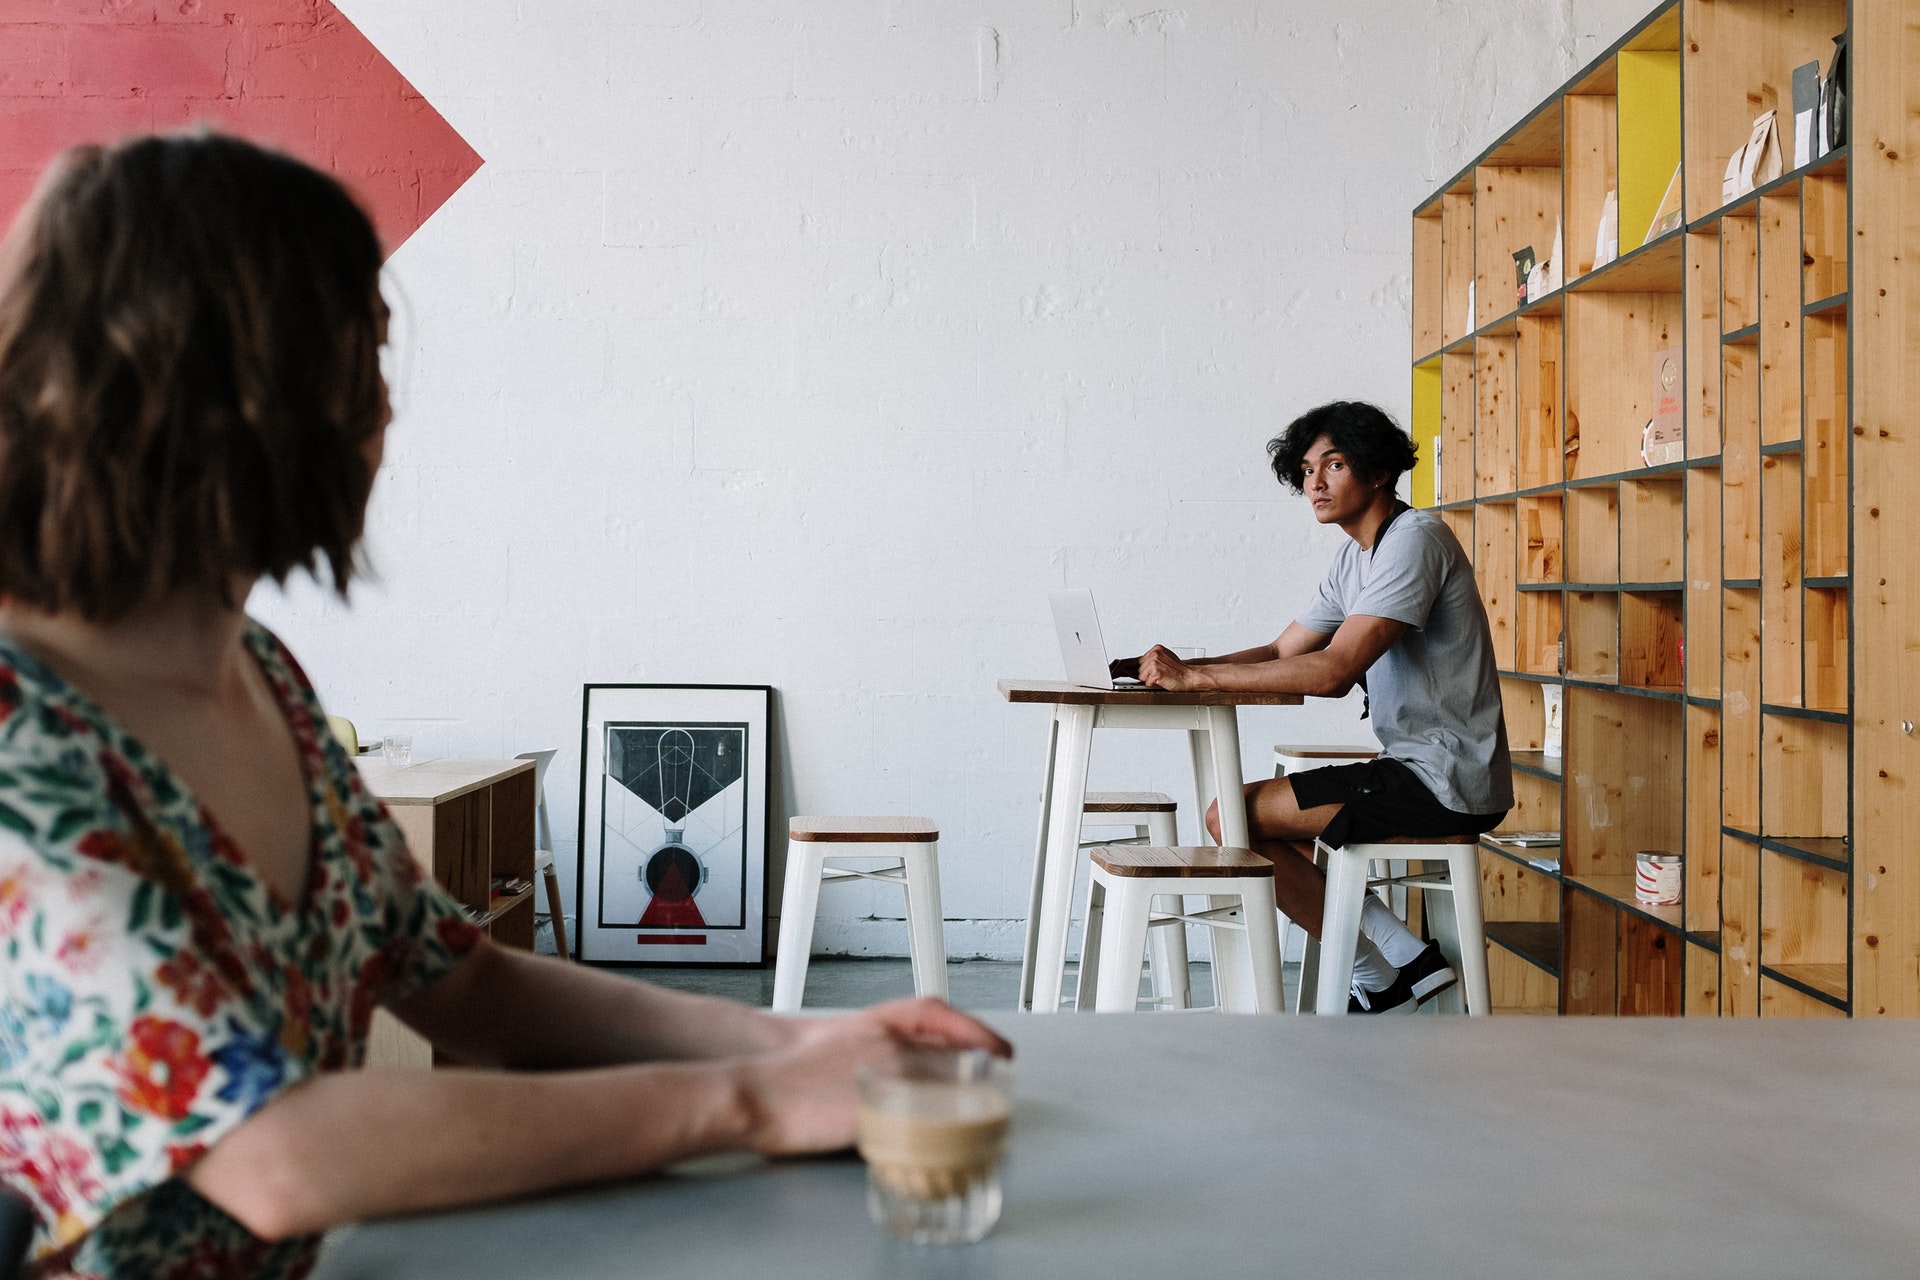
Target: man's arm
x: 1295, y: 640
x: 1300, y: 661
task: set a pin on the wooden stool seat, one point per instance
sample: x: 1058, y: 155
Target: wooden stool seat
x: 1185, y: 862
x: 1322, y: 751
x: 1121, y: 916
x: 909, y: 850
x: 1129, y: 802
x: 864, y: 830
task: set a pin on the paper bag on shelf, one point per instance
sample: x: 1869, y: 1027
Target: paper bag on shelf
x: 1555, y: 276
x: 1730, y: 188
x: 1606, y: 241
x: 1806, y: 107
x: 1667, y: 216
x: 1665, y: 438
x: 1761, y: 160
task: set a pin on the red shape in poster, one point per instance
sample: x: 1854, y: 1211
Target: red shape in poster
x: 292, y: 74
x: 672, y: 906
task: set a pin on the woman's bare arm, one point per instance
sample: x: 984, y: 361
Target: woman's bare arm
x: 351, y: 1145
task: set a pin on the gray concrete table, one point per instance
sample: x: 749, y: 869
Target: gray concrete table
x: 1212, y: 1147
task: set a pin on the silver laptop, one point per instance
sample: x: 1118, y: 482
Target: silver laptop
x: 1081, y: 647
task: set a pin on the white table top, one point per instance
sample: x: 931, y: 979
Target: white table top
x: 1216, y: 1147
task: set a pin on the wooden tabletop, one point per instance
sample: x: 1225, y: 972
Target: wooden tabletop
x: 1059, y: 691
x: 432, y: 780
x: 864, y: 830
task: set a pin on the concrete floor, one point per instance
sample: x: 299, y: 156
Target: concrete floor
x: 844, y: 982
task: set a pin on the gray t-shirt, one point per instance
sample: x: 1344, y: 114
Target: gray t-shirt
x: 1436, y: 692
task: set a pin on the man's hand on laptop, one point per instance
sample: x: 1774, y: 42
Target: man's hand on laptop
x: 1124, y: 668
x: 1158, y: 667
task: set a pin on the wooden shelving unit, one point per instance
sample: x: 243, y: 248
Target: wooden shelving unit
x: 1734, y: 631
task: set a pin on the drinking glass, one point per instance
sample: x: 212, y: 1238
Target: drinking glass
x: 397, y: 749
x: 932, y: 1127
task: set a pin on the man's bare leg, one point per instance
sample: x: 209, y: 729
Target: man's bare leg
x: 1282, y: 833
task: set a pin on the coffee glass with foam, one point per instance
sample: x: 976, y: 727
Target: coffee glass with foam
x: 933, y: 1124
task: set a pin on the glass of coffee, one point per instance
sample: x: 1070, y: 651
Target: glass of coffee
x: 932, y: 1126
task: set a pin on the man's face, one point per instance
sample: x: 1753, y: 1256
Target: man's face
x: 1336, y: 492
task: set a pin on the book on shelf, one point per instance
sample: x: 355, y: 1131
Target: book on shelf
x: 1526, y: 839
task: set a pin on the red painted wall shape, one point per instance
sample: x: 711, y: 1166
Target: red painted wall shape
x: 293, y: 74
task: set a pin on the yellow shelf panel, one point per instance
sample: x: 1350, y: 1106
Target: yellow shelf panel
x: 1649, y: 138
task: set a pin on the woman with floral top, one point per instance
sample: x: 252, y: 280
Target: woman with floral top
x: 200, y: 904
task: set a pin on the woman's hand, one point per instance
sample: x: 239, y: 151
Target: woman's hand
x: 802, y: 1097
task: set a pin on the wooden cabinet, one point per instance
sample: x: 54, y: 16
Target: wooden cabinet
x: 1732, y: 623
x: 469, y: 824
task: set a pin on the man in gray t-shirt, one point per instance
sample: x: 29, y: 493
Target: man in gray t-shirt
x: 1399, y: 615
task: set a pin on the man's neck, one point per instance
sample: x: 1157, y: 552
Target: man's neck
x: 1364, y: 528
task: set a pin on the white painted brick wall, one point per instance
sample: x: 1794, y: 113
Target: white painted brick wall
x: 808, y: 344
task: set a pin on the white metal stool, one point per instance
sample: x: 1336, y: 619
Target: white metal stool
x: 1126, y: 880
x: 1152, y: 816
x: 910, y: 845
x: 1349, y: 879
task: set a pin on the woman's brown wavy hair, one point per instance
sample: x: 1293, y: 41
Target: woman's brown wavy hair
x: 190, y: 332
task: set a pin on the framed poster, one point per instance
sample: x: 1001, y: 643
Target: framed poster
x: 673, y: 824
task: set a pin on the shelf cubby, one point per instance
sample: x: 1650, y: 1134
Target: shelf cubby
x: 1740, y: 462
x: 1703, y: 583
x: 1459, y: 521
x: 1537, y: 644
x: 1803, y: 769
x: 1740, y: 708
x: 1494, y: 431
x: 1516, y: 207
x: 1780, y: 255
x: 1780, y: 573
x: 1592, y: 161
x: 1803, y: 913
x: 1652, y: 528
x: 1702, y: 815
x: 1648, y: 72
x: 1540, y: 525
x: 1592, y: 623
x: 1824, y: 456
x: 1823, y: 226
x: 1826, y: 650
x: 1593, y: 534
x: 1650, y: 959
x: 1611, y: 339
x: 1784, y: 997
x: 1523, y: 708
x: 1425, y: 429
x: 1456, y: 262
x: 1738, y: 62
x: 1457, y: 410
x: 1702, y: 369
x: 1537, y: 399
x: 1703, y: 981
x: 1739, y: 928
x: 1651, y: 639
x: 1428, y: 281
x: 1589, y: 947
x: 1626, y: 794
x: 1493, y: 566
x: 1739, y: 272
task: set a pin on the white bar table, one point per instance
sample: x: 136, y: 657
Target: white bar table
x: 1213, y: 740
x: 1245, y: 1147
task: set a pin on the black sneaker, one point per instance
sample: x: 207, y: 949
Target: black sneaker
x: 1428, y: 974
x: 1420, y: 980
x: 1397, y: 998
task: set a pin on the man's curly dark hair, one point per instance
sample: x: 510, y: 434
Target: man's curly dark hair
x: 1374, y: 446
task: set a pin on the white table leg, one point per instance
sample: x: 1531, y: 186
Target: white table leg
x: 1232, y: 971
x: 1071, y: 755
x: 1025, y: 1000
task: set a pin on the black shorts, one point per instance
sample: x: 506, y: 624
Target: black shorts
x: 1381, y: 798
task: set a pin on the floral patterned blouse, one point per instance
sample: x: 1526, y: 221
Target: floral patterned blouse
x: 154, y: 992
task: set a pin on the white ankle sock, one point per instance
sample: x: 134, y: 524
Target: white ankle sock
x: 1396, y: 942
x: 1371, y: 972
